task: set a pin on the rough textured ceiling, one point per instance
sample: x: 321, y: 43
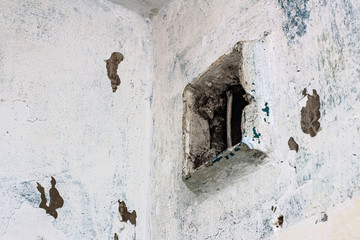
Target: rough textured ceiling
x: 147, y: 8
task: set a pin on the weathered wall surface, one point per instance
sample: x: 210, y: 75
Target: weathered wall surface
x: 60, y: 118
x: 339, y: 222
x: 288, y: 46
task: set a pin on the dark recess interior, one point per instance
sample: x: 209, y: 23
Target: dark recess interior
x: 217, y: 97
x: 239, y: 103
x: 218, y: 140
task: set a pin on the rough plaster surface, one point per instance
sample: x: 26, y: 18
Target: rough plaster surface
x: 289, y: 46
x: 338, y: 223
x: 146, y: 8
x: 60, y: 118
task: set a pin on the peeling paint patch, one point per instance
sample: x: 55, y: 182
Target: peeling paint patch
x: 125, y: 214
x: 56, y: 201
x: 266, y: 109
x: 293, y: 145
x: 112, y: 66
x: 256, y: 135
x: 310, y: 114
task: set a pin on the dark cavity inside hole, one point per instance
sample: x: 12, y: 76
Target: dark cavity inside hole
x: 213, y: 106
x: 239, y: 103
x: 218, y: 125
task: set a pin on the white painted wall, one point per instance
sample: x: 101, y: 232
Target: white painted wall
x: 309, y: 44
x: 59, y: 117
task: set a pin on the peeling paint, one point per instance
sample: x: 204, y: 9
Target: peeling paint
x: 266, y: 109
x: 56, y: 201
x: 126, y: 215
x: 112, y: 66
x: 293, y: 145
x: 310, y: 114
x: 256, y: 135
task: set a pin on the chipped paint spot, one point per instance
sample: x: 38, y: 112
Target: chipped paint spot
x: 310, y: 114
x: 112, y: 66
x: 56, y: 201
x: 293, y: 145
x: 266, y: 109
x: 126, y: 215
x: 256, y: 135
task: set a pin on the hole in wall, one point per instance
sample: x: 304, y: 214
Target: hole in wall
x: 213, y: 111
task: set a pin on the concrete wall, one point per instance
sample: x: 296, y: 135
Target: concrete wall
x: 288, y: 46
x: 60, y: 118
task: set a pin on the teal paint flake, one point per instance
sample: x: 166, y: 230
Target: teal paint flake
x: 266, y: 109
x: 264, y: 119
x: 256, y: 135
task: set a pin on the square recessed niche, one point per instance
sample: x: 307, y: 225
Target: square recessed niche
x: 213, y: 115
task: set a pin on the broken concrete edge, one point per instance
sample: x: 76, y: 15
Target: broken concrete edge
x: 226, y: 169
x: 226, y: 155
x: 242, y: 146
x: 237, y: 47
